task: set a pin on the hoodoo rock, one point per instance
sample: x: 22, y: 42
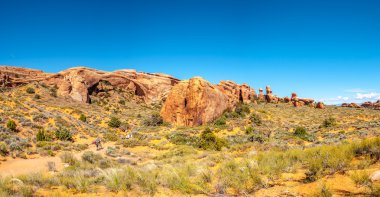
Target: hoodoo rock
x: 269, y: 97
x: 194, y: 102
x: 261, y: 96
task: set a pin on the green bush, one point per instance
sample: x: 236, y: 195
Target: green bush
x: 180, y: 138
x: 42, y: 135
x: 83, y: 118
x: 114, y: 122
x: 256, y: 119
x: 249, y: 130
x: 154, y: 120
x: 3, y: 149
x: 11, y: 124
x: 329, y: 122
x: 30, y: 90
x: 209, y: 141
x: 37, y: 96
x: 221, y: 121
x: 303, y: 134
x: 63, y: 134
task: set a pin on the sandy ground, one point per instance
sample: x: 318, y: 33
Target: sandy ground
x: 14, y: 167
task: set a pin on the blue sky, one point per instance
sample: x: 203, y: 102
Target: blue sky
x: 322, y: 49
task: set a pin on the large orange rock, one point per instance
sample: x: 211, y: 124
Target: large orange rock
x: 194, y: 102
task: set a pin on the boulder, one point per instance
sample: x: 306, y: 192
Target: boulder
x: 320, y: 105
x: 194, y: 102
x: 375, y: 176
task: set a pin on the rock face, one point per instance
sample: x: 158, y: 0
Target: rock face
x: 79, y: 83
x: 194, y: 102
x: 237, y: 93
x: 13, y: 76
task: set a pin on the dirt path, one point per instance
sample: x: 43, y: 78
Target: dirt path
x: 18, y: 166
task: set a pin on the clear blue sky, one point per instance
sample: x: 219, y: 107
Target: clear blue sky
x: 318, y: 48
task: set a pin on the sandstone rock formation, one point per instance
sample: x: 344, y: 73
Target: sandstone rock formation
x: 237, y: 93
x: 320, y: 105
x: 194, y: 102
x: 269, y: 97
x: 261, y: 96
x: 78, y: 83
x: 298, y: 102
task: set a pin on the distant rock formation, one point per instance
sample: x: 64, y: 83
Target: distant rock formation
x: 237, y: 93
x: 368, y: 105
x: 298, y: 102
x: 195, y: 102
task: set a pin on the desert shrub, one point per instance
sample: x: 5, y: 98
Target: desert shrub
x: 37, y: 96
x: 209, y: 141
x: 256, y: 119
x: 249, y: 130
x: 42, y: 135
x: 91, y: 157
x: 53, y: 91
x: 119, y: 179
x: 114, y: 122
x: 122, y: 102
x: 361, y: 178
x: 242, y: 109
x: 111, y: 136
x: 221, y: 121
x: 257, y: 137
x: 243, y: 177
x: 180, y: 138
x: 68, y: 157
x: 11, y: 124
x: 329, y: 122
x: 83, y: 118
x: 324, y: 191
x: 303, y: 134
x: 51, y: 166
x: 30, y: 90
x: 154, y: 120
x: 63, y: 134
x: 3, y: 149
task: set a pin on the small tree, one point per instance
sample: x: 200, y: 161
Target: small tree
x: 11, y: 124
x: 114, y: 122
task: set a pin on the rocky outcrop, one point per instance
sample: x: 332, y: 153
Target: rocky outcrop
x: 320, y: 105
x: 14, y: 76
x: 194, y: 102
x: 237, y: 93
x: 79, y: 83
x: 269, y: 97
x: 298, y: 102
